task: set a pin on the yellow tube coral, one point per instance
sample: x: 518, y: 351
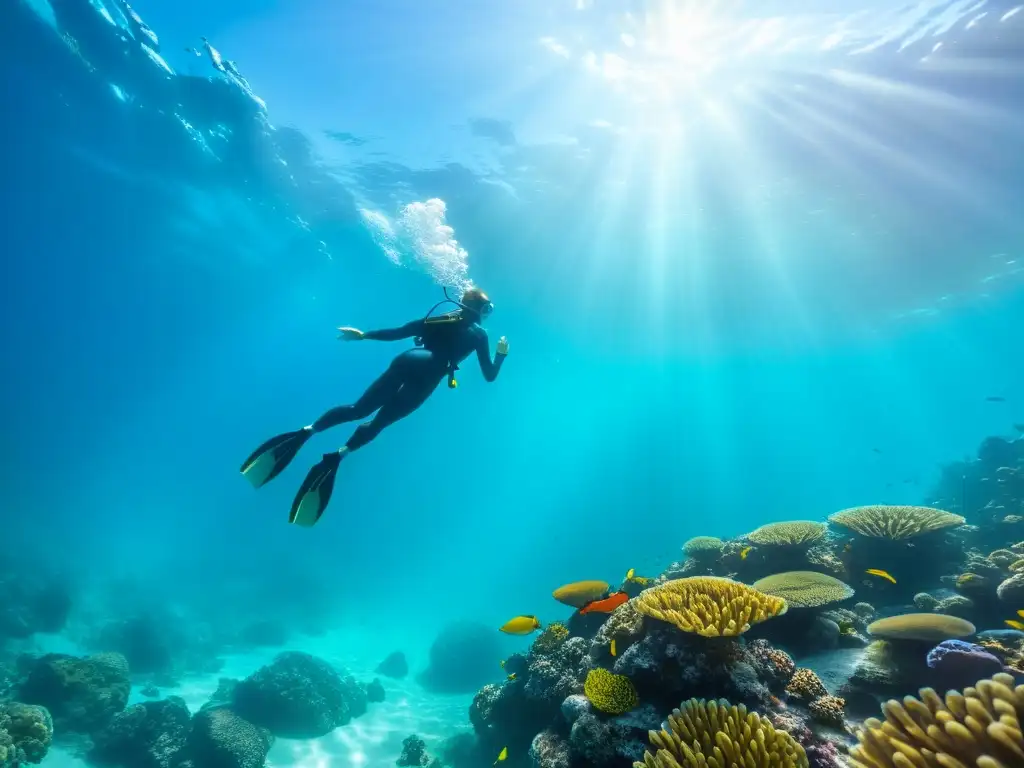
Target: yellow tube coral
x: 716, y: 734
x: 613, y: 694
x: 980, y: 727
x: 709, y: 606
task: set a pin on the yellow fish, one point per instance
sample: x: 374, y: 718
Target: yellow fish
x: 883, y: 574
x: 1021, y: 614
x: 502, y: 662
x: 744, y: 552
x: 613, y: 646
x: 1015, y: 624
x: 512, y: 676
x: 521, y: 625
x: 502, y: 756
x: 630, y: 574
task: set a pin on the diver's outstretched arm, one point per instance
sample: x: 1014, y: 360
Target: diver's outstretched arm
x: 490, y: 367
x: 407, y: 331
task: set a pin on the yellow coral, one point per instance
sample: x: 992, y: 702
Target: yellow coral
x: 971, y: 581
x: 828, y: 710
x: 613, y: 694
x: 1017, y: 565
x: 804, y: 589
x: 551, y: 638
x: 895, y: 522
x: 805, y: 684
x: 980, y: 727
x: 788, y: 534
x: 715, y: 734
x: 709, y: 605
x: 703, y: 546
x: 921, y: 626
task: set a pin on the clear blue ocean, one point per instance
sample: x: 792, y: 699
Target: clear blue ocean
x: 753, y: 262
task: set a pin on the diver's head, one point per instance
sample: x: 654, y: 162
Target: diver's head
x: 476, y: 301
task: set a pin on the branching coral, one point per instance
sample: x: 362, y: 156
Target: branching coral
x: 828, y: 710
x: 703, y: 547
x: 789, y: 534
x: 709, y: 606
x: 613, y: 694
x: 806, y: 685
x: 715, y: 734
x: 804, y: 589
x: 921, y: 626
x: 979, y: 727
x: 895, y: 522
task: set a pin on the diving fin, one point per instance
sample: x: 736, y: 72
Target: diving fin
x: 268, y: 461
x: 315, y: 492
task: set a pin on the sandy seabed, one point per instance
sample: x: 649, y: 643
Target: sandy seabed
x: 373, y: 740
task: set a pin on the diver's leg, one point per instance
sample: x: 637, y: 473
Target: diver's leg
x: 410, y: 397
x: 376, y: 395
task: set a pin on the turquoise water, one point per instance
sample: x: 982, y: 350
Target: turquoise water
x: 753, y: 264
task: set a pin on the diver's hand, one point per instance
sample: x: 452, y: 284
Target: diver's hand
x: 349, y: 334
x: 503, y: 346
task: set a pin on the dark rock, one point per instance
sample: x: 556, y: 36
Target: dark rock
x: 82, y: 694
x: 462, y: 658
x: 375, y: 692
x: 222, y: 739
x: 30, y: 605
x: 299, y: 696
x: 463, y: 751
x: 394, y: 666
x: 414, y: 753
x: 549, y: 749
x: 575, y: 707
x: 153, y: 734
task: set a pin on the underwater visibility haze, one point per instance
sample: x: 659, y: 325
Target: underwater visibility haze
x: 753, y: 264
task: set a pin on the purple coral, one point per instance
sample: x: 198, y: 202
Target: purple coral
x: 960, y: 663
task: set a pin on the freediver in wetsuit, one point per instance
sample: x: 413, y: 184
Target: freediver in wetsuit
x: 442, y: 342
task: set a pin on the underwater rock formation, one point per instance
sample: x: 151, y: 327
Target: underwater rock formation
x: 394, y: 666
x: 31, y: 604
x: 299, y: 696
x: 414, y: 754
x: 82, y: 694
x: 220, y: 738
x: 958, y: 664
x: 462, y: 658
x: 375, y: 692
x: 153, y: 734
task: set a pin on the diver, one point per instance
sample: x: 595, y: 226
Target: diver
x: 442, y: 342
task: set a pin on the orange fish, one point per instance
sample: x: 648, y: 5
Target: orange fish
x: 607, y: 604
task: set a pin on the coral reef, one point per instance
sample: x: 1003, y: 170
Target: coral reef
x: 299, y: 696
x: 610, y: 693
x: 414, y: 754
x: 796, y: 533
x: 804, y: 589
x: 153, y: 734
x: 828, y: 710
x: 921, y: 626
x: 32, y: 603
x: 220, y: 738
x: 709, y: 606
x: 981, y: 726
x: 958, y: 664
x: 703, y: 547
x: 715, y: 733
x: 82, y: 694
x: 895, y: 522
x: 805, y: 684
x: 26, y: 733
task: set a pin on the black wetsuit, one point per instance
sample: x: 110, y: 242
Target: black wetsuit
x: 414, y: 375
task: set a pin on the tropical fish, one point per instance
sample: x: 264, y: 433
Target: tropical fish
x: 502, y: 756
x: 643, y: 581
x: 605, y: 605
x: 1015, y: 624
x: 520, y: 625
x: 1021, y: 614
x: 511, y: 677
x: 630, y: 574
x: 613, y: 647
x: 579, y: 593
x: 883, y: 574
x: 502, y: 662
x: 744, y: 552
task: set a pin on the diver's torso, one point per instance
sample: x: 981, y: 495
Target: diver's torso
x: 451, y: 342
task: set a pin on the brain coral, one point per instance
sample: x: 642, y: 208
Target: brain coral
x: 804, y: 589
x: 709, y: 605
x: 921, y: 626
x: 715, y: 734
x: 980, y: 727
x: 895, y: 522
x: 610, y: 693
x: 793, y: 533
x: 703, y: 546
x: 579, y: 593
